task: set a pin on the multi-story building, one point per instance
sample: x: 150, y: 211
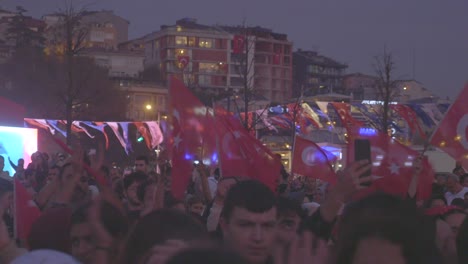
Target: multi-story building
x: 412, y: 91
x: 104, y: 29
x: 361, y: 86
x: 316, y: 74
x: 266, y: 58
x: 145, y: 101
x: 215, y: 58
x: 197, y: 53
x: 121, y: 64
x: 136, y: 45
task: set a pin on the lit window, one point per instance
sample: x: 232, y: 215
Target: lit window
x: 181, y: 41
x: 208, y: 67
x: 206, y: 43
x: 191, y: 41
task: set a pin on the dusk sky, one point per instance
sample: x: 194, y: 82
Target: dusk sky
x: 348, y: 31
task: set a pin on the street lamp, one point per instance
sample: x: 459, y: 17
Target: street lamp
x: 148, y: 107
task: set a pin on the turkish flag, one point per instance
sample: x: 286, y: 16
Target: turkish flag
x: 410, y: 117
x: 392, y: 165
x: 277, y: 58
x: 241, y: 154
x: 26, y: 211
x: 193, y: 135
x: 310, y: 160
x: 344, y: 112
x: 238, y: 44
x: 451, y: 135
x: 144, y: 133
x: 184, y: 60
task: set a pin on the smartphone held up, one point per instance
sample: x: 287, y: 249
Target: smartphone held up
x: 362, y: 151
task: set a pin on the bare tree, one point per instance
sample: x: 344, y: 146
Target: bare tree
x: 387, y: 90
x: 71, y: 34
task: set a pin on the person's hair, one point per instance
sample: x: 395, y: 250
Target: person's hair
x: 105, y: 170
x: 453, y: 177
x: 462, y: 242
x: 137, y: 176
x: 211, y: 255
x: 457, y: 169
x: 288, y: 206
x: 436, y: 197
x: 388, y: 218
x: 458, y: 202
x: 216, y: 172
x: 158, y: 227
x: 2, y: 158
x: 143, y: 158
x: 112, y: 219
x: 251, y: 195
x: 142, y: 189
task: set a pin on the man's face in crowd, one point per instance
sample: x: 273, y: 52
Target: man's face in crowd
x: 437, y: 203
x: 455, y: 221
x: 140, y: 165
x: 197, y: 208
x: 53, y: 174
x: 82, y: 242
x: 288, y: 225
x: 252, y: 235
x: 114, y: 174
x: 451, y: 184
x: 131, y: 193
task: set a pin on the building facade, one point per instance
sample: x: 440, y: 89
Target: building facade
x: 121, y: 64
x: 223, y: 60
x: 145, y: 101
x: 316, y: 74
x: 105, y: 30
x: 361, y: 86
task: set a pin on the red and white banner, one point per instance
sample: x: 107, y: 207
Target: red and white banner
x: 238, y: 44
x: 451, y: 135
x: 392, y: 164
x: 310, y: 160
x: 26, y: 211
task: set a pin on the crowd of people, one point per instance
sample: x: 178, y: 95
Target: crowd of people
x: 132, y: 217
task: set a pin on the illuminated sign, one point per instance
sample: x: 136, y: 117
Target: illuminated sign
x: 374, y: 102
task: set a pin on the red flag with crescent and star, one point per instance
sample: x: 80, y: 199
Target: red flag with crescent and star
x: 344, y: 112
x: 183, y: 60
x: 193, y: 135
x: 241, y: 154
x: 392, y: 165
x: 238, y: 44
x: 451, y: 136
x: 310, y: 160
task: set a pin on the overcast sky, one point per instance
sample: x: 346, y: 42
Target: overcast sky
x: 350, y: 31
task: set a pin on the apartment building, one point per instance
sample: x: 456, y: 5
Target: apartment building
x: 223, y: 59
x: 316, y: 74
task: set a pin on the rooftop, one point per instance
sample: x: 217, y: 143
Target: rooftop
x: 314, y: 58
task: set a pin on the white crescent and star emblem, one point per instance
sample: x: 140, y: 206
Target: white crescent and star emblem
x: 177, y: 141
x: 308, y: 156
x: 461, y: 130
x: 394, y: 168
x: 226, y: 145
